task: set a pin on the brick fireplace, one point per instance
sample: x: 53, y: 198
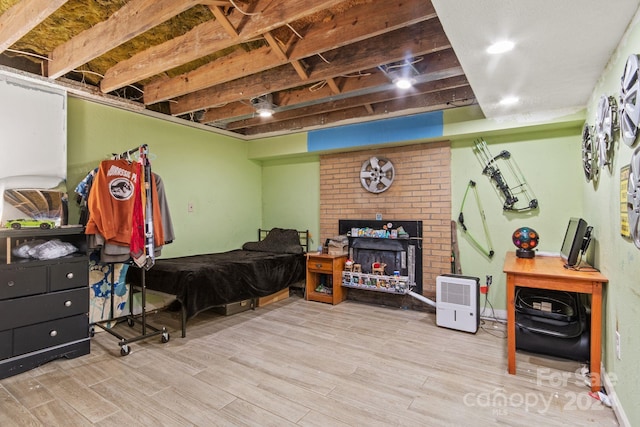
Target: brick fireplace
x: 421, y: 191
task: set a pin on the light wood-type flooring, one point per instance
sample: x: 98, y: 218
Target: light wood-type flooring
x: 303, y: 363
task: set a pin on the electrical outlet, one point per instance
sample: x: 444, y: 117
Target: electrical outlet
x: 618, y: 350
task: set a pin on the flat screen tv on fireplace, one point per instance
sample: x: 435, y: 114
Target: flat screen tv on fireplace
x: 400, y: 254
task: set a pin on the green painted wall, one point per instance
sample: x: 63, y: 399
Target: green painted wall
x: 551, y: 165
x: 618, y: 258
x: 291, y: 195
x: 210, y: 171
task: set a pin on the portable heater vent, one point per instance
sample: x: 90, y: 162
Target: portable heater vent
x: 458, y: 302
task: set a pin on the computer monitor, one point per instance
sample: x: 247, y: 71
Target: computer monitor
x: 576, y: 241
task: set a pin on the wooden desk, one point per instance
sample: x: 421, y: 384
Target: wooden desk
x: 544, y: 272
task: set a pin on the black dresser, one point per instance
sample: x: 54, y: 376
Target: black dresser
x: 44, y: 304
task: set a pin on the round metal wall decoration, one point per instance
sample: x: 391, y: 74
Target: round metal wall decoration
x: 589, y: 163
x: 377, y: 174
x: 629, y: 106
x: 633, y: 197
x: 606, y: 115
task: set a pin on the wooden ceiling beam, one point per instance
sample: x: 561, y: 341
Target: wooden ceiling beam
x: 282, y: 56
x: 441, y: 68
x: 374, y: 18
x: 224, y: 21
x: 210, y: 3
x: 132, y: 19
x: 275, y: 47
x: 333, y: 85
x: 357, y: 101
x: 418, y: 39
x: 207, y: 38
x: 22, y: 17
x: 300, y: 69
x: 419, y: 104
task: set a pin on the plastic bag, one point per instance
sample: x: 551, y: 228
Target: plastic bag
x: 22, y: 250
x: 52, y: 249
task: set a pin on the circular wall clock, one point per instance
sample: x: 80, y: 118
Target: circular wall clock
x: 377, y: 174
x: 606, y: 115
x: 633, y: 197
x: 629, y: 108
x: 589, y: 163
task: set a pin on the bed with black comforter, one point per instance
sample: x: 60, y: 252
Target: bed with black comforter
x: 202, y: 282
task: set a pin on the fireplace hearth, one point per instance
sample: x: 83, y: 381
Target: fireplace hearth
x: 400, y: 254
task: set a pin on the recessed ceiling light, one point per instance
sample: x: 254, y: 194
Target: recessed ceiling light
x: 500, y: 47
x: 265, y: 112
x: 403, y: 82
x: 509, y: 100
x: 264, y: 105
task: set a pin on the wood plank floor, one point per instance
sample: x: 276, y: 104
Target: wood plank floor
x: 302, y: 363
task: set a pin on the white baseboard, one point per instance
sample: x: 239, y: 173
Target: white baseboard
x: 613, y: 397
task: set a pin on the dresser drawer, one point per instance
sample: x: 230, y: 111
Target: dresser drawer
x: 49, y: 334
x: 18, y: 282
x: 40, y: 308
x: 69, y: 275
x: 5, y: 344
x: 322, y: 265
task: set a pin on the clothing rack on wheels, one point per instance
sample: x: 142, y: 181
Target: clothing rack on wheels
x: 132, y: 185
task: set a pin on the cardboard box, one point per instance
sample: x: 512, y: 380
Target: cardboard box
x: 270, y: 299
x: 339, y: 251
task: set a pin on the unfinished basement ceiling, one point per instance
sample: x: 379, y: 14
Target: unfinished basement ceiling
x: 316, y: 64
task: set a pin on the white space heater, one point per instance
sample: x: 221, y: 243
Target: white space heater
x: 458, y: 302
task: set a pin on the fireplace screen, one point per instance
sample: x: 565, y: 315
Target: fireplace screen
x: 391, y: 256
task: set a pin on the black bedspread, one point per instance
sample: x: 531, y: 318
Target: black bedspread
x: 204, y: 281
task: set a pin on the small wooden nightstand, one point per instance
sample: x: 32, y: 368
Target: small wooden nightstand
x: 330, y: 265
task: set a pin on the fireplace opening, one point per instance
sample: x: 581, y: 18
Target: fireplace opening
x: 402, y: 256
x: 390, y: 254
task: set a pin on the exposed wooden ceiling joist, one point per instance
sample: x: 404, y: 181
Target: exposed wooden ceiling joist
x: 450, y: 98
x: 132, y: 19
x: 208, y: 38
x: 355, y: 101
x: 319, y: 63
x: 437, y: 67
x: 23, y: 17
x: 362, y: 21
x: 419, y: 39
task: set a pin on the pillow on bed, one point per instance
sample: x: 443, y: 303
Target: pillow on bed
x: 280, y: 240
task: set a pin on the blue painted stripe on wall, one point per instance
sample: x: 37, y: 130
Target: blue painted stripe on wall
x: 419, y: 126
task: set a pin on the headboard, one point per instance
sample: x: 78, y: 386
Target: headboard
x: 303, y: 235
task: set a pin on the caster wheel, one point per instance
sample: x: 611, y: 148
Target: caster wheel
x: 130, y: 322
x: 125, y: 350
x: 165, y: 337
x: 92, y: 332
